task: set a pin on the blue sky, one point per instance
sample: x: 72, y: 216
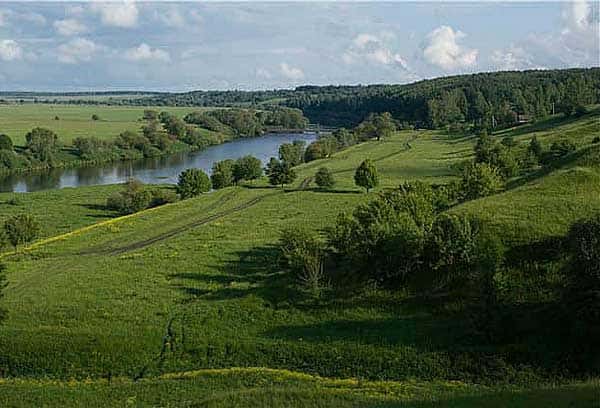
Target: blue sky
x: 54, y: 46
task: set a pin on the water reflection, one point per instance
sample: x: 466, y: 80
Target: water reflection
x: 163, y: 169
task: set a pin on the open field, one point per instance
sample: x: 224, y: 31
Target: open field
x: 197, y: 285
x: 74, y: 120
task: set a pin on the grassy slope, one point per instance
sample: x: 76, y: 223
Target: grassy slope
x: 145, y: 295
x: 75, y: 120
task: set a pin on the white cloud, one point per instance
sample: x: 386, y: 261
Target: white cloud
x: 34, y: 18
x: 513, y: 58
x: 443, y: 49
x: 119, y: 14
x: 291, y: 72
x: 69, y: 27
x: 263, y: 73
x: 77, y: 50
x: 10, y: 50
x: 171, y: 17
x: 144, y: 52
x: 28, y: 17
x: 372, y: 48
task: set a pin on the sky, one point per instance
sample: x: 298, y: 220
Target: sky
x: 172, y: 46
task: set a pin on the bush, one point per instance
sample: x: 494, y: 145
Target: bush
x: 366, y: 175
x: 161, y: 196
x: 134, y: 197
x: 8, y: 159
x: 479, y: 180
x: 324, y: 178
x: 596, y: 140
x: 303, y: 254
x: 192, y: 182
x: 222, y: 174
x: 21, y: 229
x: 42, y: 144
x: 5, y: 142
x: 559, y: 150
x: 95, y: 117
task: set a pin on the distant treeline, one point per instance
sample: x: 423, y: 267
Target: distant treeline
x: 484, y: 101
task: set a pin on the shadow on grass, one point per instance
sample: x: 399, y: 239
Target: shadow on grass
x: 253, y: 272
x: 545, y: 125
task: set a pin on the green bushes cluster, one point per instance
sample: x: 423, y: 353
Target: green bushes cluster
x: 135, y: 197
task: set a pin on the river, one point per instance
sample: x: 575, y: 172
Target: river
x: 154, y: 170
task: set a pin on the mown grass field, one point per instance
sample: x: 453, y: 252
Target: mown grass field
x: 74, y: 120
x: 197, y: 285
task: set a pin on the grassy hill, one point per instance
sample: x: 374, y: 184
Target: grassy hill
x: 196, y: 285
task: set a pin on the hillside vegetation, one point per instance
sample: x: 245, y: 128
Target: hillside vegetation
x: 198, y: 285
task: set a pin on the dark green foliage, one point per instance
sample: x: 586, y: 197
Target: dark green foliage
x: 535, y: 150
x: 247, y: 168
x: 95, y: 117
x: 134, y: 197
x: 222, y: 174
x: 243, y: 122
x: 193, y: 182
x: 292, y: 153
x: 596, y: 140
x: 558, y: 150
x: 8, y: 159
x: 284, y: 118
x: 366, y: 175
x: 303, y: 254
x: 172, y: 124
x: 5, y: 142
x: 42, y: 144
x: 376, y: 126
x: 483, y: 100
x: 280, y: 173
x: 150, y: 114
x: 509, y: 142
x: 479, y: 180
x: 207, y: 121
x: 345, y: 138
x: 324, y: 178
x: 21, y: 229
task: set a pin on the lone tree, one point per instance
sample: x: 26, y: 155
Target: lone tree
x: 324, y: 178
x: 222, y: 174
x: 280, y: 173
x: 247, y: 168
x: 366, y: 175
x: 95, y: 117
x: 21, y: 229
x: 480, y: 180
x: 192, y: 182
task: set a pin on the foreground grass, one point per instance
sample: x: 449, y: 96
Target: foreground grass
x: 251, y: 387
x: 74, y: 120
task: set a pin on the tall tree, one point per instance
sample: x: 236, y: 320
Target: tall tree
x: 366, y: 175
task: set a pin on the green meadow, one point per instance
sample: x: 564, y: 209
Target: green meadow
x: 187, y: 304
x: 74, y: 120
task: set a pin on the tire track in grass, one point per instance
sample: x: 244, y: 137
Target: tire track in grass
x: 176, y: 231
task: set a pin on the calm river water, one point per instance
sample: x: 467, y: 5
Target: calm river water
x: 155, y: 170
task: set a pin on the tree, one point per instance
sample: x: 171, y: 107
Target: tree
x: 21, y: 229
x: 384, y: 125
x: 5, y: 142
x: 479, y: 180
x: 292, y: 153
x: 222, y: 174
x: 95, y: 117
x: 247, y: 168
x: 280, y: 173
x: 136, y: 197
x: 42, y: 144
x: 150, y: 114
x: 192, y: 182
x: 366, y: 175
x: 303, y: 254
x: 324, y: 178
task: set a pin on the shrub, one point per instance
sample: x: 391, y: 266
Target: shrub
x: 479, y: 180
x: 596, y: 140
x: 324, y: 178
x: 150, y: 114
x: 222, y: 174
x: 134, y: 197
x: 192, y: 182
x: 8, y: 159
x: 21, y: 229
x: 5, y: 142
x: 303, y: 254
x: 161, y: 196
x: 42, y: 144
x: 95, y: 117
x: 558, y: 150
x: 366, y: 175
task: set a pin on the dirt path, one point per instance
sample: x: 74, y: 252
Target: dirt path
x: 114, y: 251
